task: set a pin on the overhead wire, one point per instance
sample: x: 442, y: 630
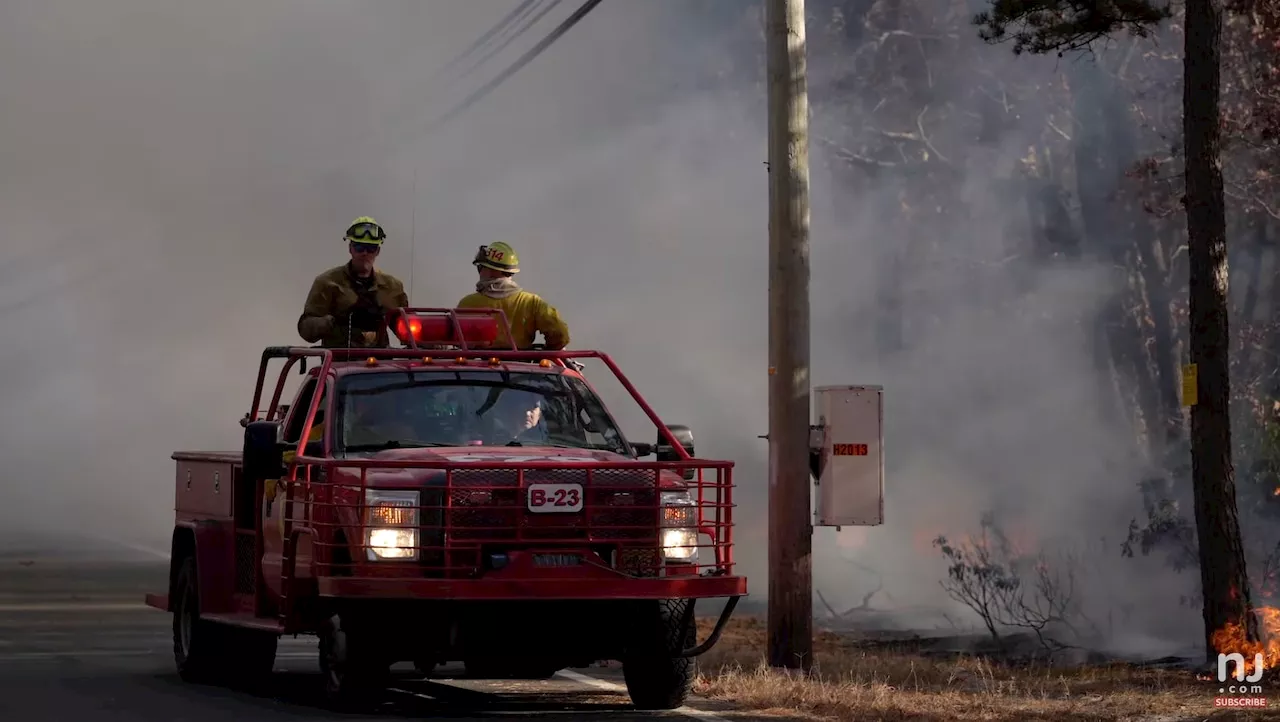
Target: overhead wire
x: 519, y: 63
x: 404, y: 128
x: 521, y: 10
x: 438, y: 80
x: 532, y: 21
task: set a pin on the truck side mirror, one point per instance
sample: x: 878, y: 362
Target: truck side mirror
x: 683, y: 434
x: 262, y: 454
x: 642, y: 448
x: 664, y: 451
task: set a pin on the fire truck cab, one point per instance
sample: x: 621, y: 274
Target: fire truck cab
x: 448, y: 502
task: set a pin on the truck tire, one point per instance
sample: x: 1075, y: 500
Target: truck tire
x: 199, y: 649
x: 353, y: 673
x: 658, y: 679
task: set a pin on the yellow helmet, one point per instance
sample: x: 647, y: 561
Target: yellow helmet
x: 365, y: 230
x: 498, y: 256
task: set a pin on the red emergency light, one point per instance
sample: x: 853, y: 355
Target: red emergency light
x: 427, y: 330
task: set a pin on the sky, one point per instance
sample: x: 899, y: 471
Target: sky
x: 175, y: 174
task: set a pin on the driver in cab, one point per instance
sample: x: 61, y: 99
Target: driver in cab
x: 513, y: 418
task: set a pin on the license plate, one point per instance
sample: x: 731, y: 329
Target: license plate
x: 555, y: 498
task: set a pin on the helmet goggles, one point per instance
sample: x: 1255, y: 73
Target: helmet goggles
x: 372, y: 233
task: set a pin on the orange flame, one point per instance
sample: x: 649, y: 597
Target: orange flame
x: 1231, y: 638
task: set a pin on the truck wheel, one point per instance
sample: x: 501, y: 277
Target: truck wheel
x: 656, y: 678
x: 352, y: 671
x: 198, y: 648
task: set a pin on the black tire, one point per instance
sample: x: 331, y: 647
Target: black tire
x: 199, y: 647
x: 208, y: 652
x: 353, y: 672
x: 656, y: 678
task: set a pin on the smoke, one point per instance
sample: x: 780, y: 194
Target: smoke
x: 177, y: 175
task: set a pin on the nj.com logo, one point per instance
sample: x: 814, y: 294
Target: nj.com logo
x: 1240, y: 670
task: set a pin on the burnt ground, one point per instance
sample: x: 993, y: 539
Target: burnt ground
x: 935, y: 633
x: 883, y: 630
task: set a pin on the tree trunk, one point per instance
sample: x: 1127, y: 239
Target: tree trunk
x: 1222, y: 567
x: 1151, y: 257
x: 1146, y: 380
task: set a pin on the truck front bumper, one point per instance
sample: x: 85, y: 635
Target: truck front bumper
x: 516, y: 589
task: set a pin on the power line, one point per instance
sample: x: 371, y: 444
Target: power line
x: 408, y: 108
x: 399, y: 133
x: 532, y: 21
x: 522, y: 61
x: 512, y: 17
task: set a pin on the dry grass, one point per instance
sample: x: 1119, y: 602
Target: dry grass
x: 853, y: 683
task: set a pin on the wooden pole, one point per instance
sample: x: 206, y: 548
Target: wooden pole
x: 790, y: 528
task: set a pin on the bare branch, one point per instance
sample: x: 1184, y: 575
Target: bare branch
x: 850, y: 156
x: 987, y: 575
x: 1232, y: 191
x: 830, y: 610
x: 925, y: 138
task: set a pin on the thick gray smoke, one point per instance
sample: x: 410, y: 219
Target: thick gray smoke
x: 175, y: 175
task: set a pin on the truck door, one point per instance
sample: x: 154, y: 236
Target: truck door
x: 273, y: 501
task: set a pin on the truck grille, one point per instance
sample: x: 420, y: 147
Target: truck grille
x: 489, y: 505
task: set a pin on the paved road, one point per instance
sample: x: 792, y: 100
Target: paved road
x: 76, y: 644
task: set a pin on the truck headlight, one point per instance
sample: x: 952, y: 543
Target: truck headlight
x: 391, y: 524
x: 679, y: 527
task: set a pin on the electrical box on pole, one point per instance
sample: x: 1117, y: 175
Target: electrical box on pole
x: 846, y: 455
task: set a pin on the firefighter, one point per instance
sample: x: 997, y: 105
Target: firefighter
x: 513, y: 417
x: 527, y: 312
x: 348, y: 305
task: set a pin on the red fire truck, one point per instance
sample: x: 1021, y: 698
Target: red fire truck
x: 446, y: 502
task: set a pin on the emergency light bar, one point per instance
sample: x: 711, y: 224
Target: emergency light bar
x: 455, y: 327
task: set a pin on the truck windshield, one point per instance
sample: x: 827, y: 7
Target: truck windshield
x: 405, y: 409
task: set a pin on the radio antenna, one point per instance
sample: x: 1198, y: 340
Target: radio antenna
x: 413, y: 231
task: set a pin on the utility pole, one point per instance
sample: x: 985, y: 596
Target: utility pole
x: 790, y: 530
